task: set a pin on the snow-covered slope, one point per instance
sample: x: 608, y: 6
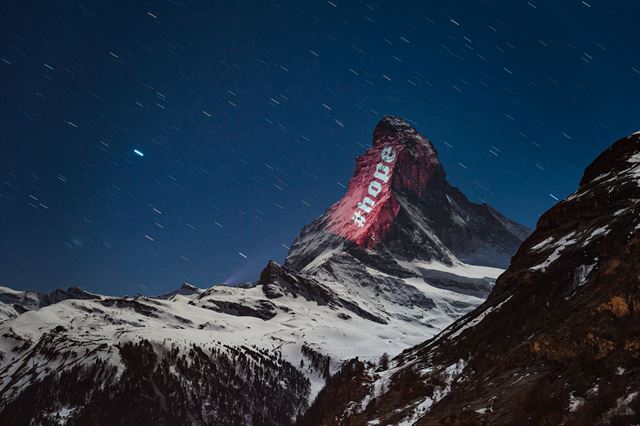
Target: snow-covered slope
x: 258, y: 354
x: 285, y: 313
x: 15, y: 302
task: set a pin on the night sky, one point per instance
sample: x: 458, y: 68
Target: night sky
x: 249, y: 115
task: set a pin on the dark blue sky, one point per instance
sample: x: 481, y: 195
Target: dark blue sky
x: 250, y: 114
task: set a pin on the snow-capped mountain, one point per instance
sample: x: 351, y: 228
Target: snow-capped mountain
x: 399, y: 207
x: 14, y: 302
x: 403, y: 236
x: 556, y: 342
x: 394, y: 262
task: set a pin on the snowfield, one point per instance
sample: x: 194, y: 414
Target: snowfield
x: 84, y: 331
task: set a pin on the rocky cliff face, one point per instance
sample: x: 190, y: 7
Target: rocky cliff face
x: 556, y: 342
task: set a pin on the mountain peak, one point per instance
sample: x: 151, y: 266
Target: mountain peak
x: 188, y: 287
x: 185, y: 289
x: 614, y: 159
x: 393, y: 128
x: 400, y: 160
x: 399, y: 203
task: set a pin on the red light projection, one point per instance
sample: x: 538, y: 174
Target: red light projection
x: 400, y: 160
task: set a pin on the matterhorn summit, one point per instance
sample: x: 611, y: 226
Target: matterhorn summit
x: 400, y: 215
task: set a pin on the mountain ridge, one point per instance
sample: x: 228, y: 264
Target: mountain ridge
x: 15, y: 302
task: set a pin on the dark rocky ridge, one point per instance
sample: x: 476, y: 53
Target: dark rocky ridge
x: 557, y: 341
x: 277, y: 281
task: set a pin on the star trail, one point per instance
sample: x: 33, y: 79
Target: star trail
x: 146, y: 144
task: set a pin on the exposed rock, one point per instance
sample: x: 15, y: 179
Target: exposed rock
x: 263, y: 309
